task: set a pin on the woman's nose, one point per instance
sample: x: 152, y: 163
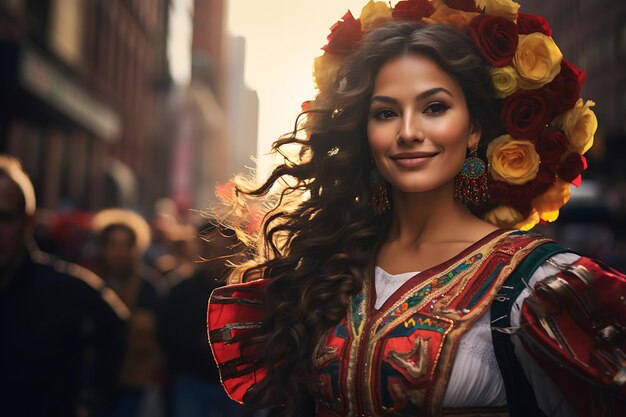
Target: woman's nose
x: 410, y: 130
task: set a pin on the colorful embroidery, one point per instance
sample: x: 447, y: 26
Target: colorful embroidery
x: 357, y: 311
x: 424, y: 323
x: 397, y: 361
x: 416, y: 360
x: 424, y: 291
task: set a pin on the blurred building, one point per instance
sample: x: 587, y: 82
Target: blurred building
x: 592, y: 35
x: 243, y: 109
x: 214, y: 125
x: 197, y: 121
x: 208, y: 45
x: 83, y: 86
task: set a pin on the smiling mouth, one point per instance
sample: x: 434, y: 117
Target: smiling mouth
x: 413, y: 155
x: 412, y: 159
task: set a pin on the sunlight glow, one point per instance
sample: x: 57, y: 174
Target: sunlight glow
x: 282, y: 39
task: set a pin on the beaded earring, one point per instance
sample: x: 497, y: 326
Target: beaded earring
x: 378, y: 199
x: 471, y: 182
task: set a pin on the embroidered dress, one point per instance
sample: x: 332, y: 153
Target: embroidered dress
x: 474, y: 361
x: 398, y: 359
x: 401, y: 359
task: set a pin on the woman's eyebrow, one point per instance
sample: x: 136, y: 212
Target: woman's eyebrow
x: 421, y: 96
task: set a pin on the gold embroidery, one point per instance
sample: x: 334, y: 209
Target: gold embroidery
x: 350, y: 379
x: 439, y: 298
x: 374, y: 338
x: 325, y: 354
x: 414, y: 361
x: 437, y: 293
x: 415, y: 396
x: 449, y: 344
x: 357, y: 335
x: 321, y: 351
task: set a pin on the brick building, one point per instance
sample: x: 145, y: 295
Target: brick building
x: 83, y: 84
x: 214, y: 126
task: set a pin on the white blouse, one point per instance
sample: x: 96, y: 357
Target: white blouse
x: 475, y: 359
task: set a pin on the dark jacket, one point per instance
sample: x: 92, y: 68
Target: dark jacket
x: 61, y: 339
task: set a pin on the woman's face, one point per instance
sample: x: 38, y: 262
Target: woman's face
x: 418, y: 126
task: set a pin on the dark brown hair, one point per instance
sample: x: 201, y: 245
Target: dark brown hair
x: 316, y: 252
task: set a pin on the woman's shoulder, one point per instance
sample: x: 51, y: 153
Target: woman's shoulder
x: 530, y: 241
x: 244, y: 293
x: 233, y: 305
x: 235, y: 313
x: 503, y: 239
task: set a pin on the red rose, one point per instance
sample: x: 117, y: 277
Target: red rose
x: 344, y: 35
x: 530, y: 23
x: 551, y: 146
x: 572, y: 166
x: 525, y: 114
x: 465, y: 5
x: 564, y: 90
x: 520, y: 197
x: 498, y: 192
x: 544, y: 180
x: 412, y: 10
x: 496, y: 38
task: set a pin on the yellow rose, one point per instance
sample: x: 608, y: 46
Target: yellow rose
x: 375, y: 13
x: 503, y: 216
x: 451, y: 17
x: 529, y: 222
x: 537, y: 60
x: 505, y: 80
x: 503, y: 8
x: 325, y: 69
x: 549, y: 203
x: 579, y: 124
x: 507, y: 216
x: 512, y: 160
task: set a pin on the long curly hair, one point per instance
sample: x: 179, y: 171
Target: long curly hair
x: 319, y: 238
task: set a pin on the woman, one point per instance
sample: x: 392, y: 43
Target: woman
x: 381, y: 284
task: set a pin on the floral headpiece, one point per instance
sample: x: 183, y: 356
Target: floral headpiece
x: 549, y: 127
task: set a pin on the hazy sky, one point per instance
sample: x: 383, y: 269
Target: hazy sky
x: 282, y: 39
x: 179, y: 40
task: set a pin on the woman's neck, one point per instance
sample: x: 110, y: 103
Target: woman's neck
x: 427, y: 216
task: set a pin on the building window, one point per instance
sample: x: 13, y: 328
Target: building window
x: 66, y: 29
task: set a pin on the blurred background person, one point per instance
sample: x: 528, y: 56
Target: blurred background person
x: 184, y: 244
x: 195, y: 389
x: 62, y: 328
x: 159, y: 253
x: 122, y: 237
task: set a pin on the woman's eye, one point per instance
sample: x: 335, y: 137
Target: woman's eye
x: 436, y: 108
x: 385, y: 115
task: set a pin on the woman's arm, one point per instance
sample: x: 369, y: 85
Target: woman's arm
x: 549, y: 398
x: 570, y: 337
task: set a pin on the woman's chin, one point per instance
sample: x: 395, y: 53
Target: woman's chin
x: 422, y: 187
